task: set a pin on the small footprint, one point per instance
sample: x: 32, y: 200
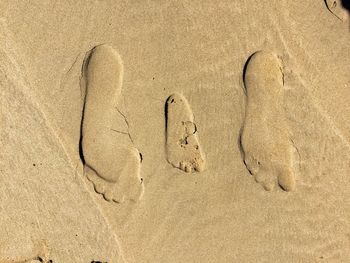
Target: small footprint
x: 112, y: 163
x: 265, y: 139
x: 182, y: 144
x: 336, y: 7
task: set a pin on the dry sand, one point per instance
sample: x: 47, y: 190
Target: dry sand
x: 147, y: 131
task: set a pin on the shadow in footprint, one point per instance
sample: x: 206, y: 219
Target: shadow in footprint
x: 346, y: 4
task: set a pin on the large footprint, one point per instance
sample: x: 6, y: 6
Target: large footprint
x: 182, y: 144
x: 112, y: 163
x: 265, y: 136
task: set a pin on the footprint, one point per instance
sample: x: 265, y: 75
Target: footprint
x: 112, y: 163
x: 182, y: 145
x: 336, y: 7
x: 265, y: 139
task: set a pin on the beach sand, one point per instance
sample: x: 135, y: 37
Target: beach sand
x: 174, y: 131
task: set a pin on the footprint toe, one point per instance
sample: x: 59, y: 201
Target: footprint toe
x: 286, y: 180
x: 181, y: 166
x: 252, y: 165
x: 99, y: 188
x: 268, y: 185
x: 119, y: 197
x: 199, y: 166
x: 188, y: 168
x: 108, y: 195
x: 265, y: 179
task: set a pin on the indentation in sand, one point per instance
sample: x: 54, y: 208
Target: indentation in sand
x: 182, y: 144
x: 265, y: 139
x: 112, y: 163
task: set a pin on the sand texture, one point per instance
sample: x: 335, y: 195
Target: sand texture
x: 174, y: 131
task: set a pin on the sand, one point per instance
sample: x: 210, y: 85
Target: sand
x: 174, y: 131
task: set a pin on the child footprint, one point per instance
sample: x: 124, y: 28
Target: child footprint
x: 265, y: 136
x: 182, y: 144
x: 112, y: 163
